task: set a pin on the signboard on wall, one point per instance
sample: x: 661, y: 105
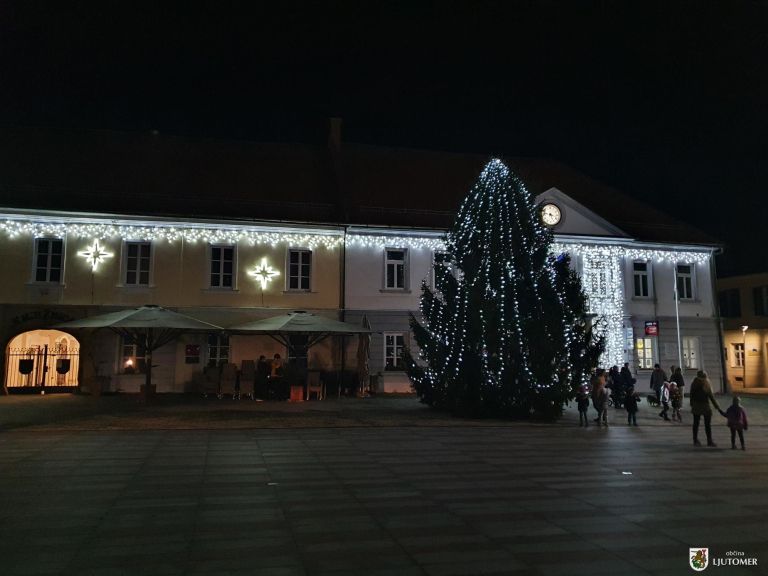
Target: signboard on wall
x: 652, y: 328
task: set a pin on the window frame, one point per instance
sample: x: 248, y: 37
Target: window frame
x: 739, y: 353
x: 691, y: 347
x: 310, y: 282
x: 397, y: 357
x: 139, y: 362
x: 124, y: 265
x: 732, y: 307
x: 641, y: 359
x: 221, y: 273
x: 647, y: 274
x: 35, y: 257
x: 692, y: 276
x: 760, y: 294
x: 218, y: 347
x: 406, y: 269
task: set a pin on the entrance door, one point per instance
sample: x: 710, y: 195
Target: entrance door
x: 42, y: 359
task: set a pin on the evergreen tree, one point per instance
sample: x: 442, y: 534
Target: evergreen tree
x: 505, y: 332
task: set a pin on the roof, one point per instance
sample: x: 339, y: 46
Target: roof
x: 161, y: 175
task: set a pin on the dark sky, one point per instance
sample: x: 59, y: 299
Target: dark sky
x: 665, y: 100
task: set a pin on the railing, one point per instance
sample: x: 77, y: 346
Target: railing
x: 42, y: 367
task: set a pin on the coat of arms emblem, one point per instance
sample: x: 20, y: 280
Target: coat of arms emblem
x: 698, y: 558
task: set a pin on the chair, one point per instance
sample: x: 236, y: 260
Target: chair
x: 228, y: 380
x: 315, y: 385
x: 247, y: 378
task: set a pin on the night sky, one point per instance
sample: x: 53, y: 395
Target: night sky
x: 667, y: 101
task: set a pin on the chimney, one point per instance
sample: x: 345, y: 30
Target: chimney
x: 334, y: 134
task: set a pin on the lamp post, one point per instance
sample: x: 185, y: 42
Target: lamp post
x: 744, y: 357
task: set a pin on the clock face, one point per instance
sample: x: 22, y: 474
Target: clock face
x: 550, y: 214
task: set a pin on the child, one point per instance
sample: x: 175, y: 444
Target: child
x: 664, y: 401
x: 676, y: 399
x: 600, y: 399
x: 737, y: 421
x: 582, y: 400
x: 630, y: 403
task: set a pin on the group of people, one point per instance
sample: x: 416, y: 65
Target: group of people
x: 669, y: 394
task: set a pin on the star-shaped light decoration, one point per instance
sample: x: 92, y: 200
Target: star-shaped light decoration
x: 95, y: 255
x: 264, y: 273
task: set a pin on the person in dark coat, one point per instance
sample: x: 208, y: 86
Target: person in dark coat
x: 658, y: 377
x: 630, y: 404
x: 701, y: 397
x: 262, y: 376
x: 677, y: 378
x: 582, y: 400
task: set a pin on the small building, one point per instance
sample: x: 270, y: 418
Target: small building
x: 744, y: 312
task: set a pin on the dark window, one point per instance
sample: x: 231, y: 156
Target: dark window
x: 730, y: 303
x: 49, y: 253
x: 137, y: 263
x: 299, y: 269
x: 222, y: 266
x: 640, y: 274
x: 760, y: 296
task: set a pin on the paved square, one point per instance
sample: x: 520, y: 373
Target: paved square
x: 386, y: 500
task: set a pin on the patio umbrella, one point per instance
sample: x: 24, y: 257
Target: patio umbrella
x: 299, y: 323
x: 363, y: 353
x: 152, y: 326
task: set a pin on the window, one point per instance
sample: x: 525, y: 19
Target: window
x: 49, y: 259
x: 137, y: 260
x: 597, y: 277
x: 134, y: 356
x: 730, y: 303
x: 691, y: 352
x: 684, y: 274
x: 394, y: 269
x: 760, y: 296
x: 738, y: 355
x: 299, y: 269
x: 218, y: 349
x: 644, y: 347
x: 393, y: 351
x: 222, y: 267
x: 641, y: 277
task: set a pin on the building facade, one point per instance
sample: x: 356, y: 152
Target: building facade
x: 234, y: 231
x: 744, y: 311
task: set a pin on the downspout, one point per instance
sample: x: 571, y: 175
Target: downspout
x: 718, y: 320
x: 342, y: 306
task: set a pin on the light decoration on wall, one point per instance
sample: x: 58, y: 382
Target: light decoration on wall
x: 168, y: 232
x: 389, y: 241
x: 264, y: 273
x: 95, y: 255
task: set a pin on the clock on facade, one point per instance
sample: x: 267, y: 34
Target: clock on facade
x: 550, y: 214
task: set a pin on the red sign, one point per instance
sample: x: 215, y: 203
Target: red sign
x: 652, y: 328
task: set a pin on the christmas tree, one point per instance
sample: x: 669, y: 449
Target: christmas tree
x: 506, y: 331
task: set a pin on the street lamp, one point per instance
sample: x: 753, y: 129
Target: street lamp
x: 744, y: 356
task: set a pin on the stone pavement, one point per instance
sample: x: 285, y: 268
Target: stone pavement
x: 520, y: 499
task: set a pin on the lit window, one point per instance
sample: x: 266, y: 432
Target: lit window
x: 684, y: 277
x: 49, y: 260
x: 299, y: 269
x: 137, y: 263
x: 134, y: 356
x: 691, y: 352
x: 641, y: 277
x: 222, y: 267
x: 393, y: 351
x: 738, y: 355
x: 218, y: 349
x: 644, y: 347
x: 394, y: 269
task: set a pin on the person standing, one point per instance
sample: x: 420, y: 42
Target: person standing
x: 701, y: 397
x: 737, y: 422
x: 582, y: 400
x: 665, y: 401
x: 658, y: 377
x: 676, y: 400
x: 630, y: 403
x: 677, y: 378
x: 600, y: 397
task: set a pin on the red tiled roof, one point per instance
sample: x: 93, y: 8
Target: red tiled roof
x: 161, y: 175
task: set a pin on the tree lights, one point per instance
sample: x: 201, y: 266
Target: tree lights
x: 509, y: 334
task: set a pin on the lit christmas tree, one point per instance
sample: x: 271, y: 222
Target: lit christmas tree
x: 505, y: 332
